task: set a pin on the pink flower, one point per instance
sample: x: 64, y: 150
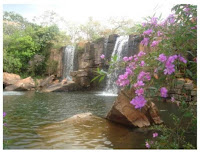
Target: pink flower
x: 138, y: 84
x: 126, y: 59
x: 182, y: 59
x: 4, y: 124
x: 159, y: 34
x: 171, y: 19
x: 154, y: 43
x: 140, y: 91
x: 4, y: 114
x: 147, y: 145
x: 141, y: 53
x: 130, y: 58
x: 162, y: 58
x: 129, y: 71
x: 148, y: 32
x: 102, y: 56
x: 142, y: 63
x: 154, y: 20
x: 155, y: 134
x: 163, y: 92
x: 138, y: 102
x: 145, y: 41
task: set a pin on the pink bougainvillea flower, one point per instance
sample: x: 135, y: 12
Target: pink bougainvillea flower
x: 138, y: 102
x: 148, y: 32
x: 140, y: 91
x: 138, y: 84
x: 154, y: 43
x: 147, y: 145
x: 145, y: 41
x: 162, y: 58
x: 163, y: 92
x: 102, y: 56
x: 155, y: 134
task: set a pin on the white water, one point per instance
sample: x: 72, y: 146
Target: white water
x: 13, y: 93
x: 68, y: 61
x: 120, y: 46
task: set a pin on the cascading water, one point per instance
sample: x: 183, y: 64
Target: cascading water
x: 121, y: 47
x: 68, y: 61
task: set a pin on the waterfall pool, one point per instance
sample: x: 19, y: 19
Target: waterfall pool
x: 28, y: 113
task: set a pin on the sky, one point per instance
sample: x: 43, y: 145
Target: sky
x: 78, y: 11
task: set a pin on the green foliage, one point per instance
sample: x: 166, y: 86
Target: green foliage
x: 176, y: 137
x: 101, y: 74
x: 23, y: 41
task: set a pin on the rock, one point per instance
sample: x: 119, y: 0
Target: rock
x: 124, y: 113
x: 22, y: 85
x: 179, y: 83
x: 10, y: 78
x: 194, y: 92
x: 60, y: 87
x: 46, y: 82
x: 188, y: 86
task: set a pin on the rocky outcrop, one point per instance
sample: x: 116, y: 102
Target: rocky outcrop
x: 62, y: 87
x: 124, y: 113
x: 22, y: 85
x: 10, y: 78
x: 43, y: 83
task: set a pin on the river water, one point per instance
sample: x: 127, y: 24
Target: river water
x: 30, y: 114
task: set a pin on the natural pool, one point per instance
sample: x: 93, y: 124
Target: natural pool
x: 29, y: 112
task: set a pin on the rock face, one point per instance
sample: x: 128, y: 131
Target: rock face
x: 10, y: 78
x: 124, y: 113
x: 88, y: 59
x: 22, y: 85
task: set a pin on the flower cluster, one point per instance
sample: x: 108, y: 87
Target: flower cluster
x: 168, y: 61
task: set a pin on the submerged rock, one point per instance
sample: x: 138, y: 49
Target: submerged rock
x: 86, y: 131
x: 22, y: 85
x: 124, y: 113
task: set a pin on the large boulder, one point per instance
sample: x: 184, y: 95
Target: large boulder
x: 22, y: 85
x: 10, y: 78
x: 124, y: 113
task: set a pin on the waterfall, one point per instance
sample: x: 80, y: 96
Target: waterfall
x: 120, y: 49
x: 68, y: 61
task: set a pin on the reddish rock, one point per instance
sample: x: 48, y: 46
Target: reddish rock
x: 22, y: 85
x: 124, y: 113
x: 10, y: 78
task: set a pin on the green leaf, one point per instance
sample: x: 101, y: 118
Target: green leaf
x: 95, y: 78
x: 189, y: 72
